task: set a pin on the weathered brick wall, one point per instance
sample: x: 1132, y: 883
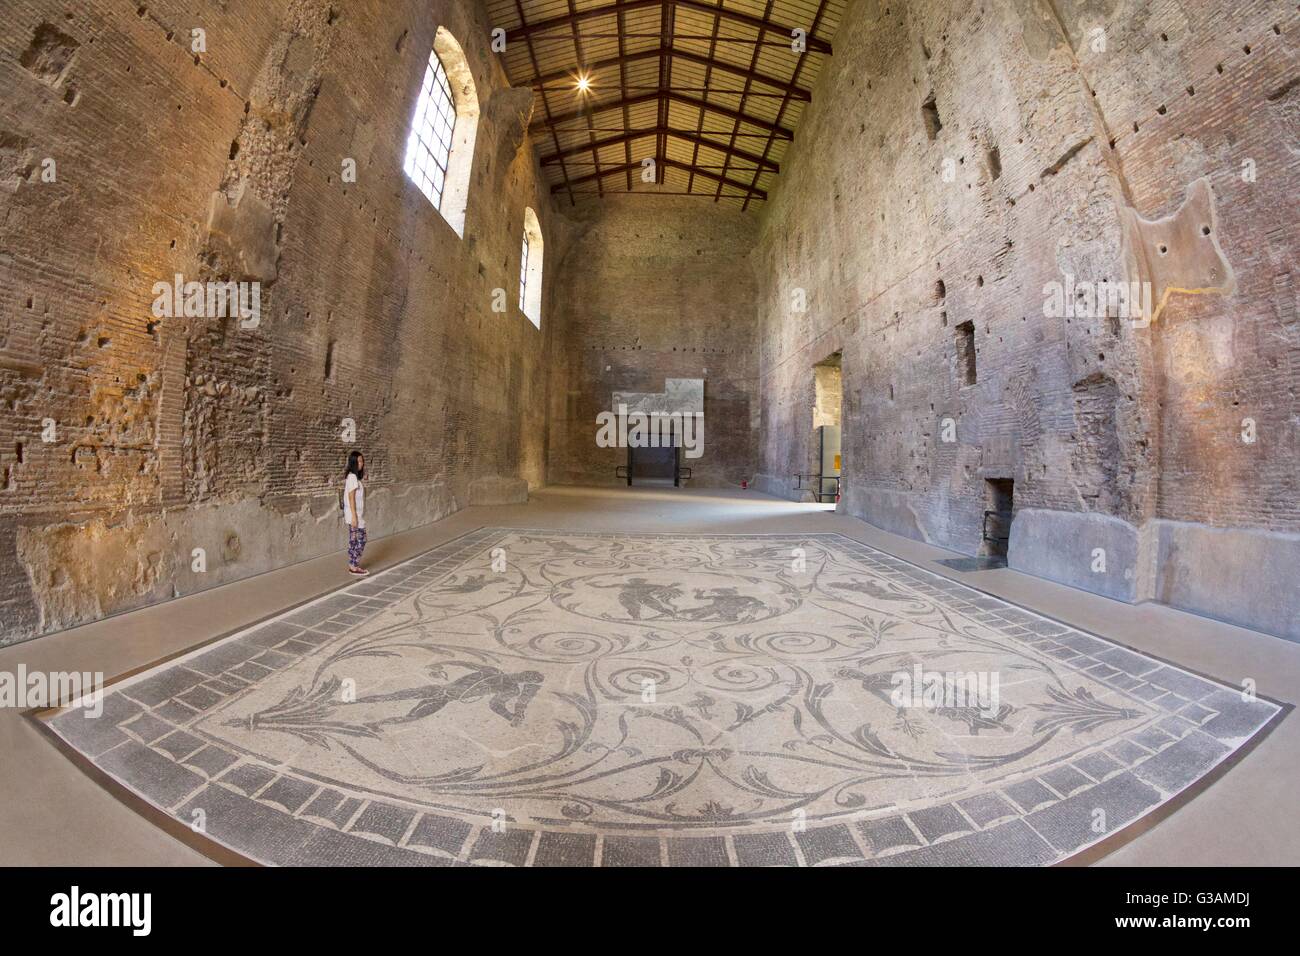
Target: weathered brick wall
x: 1212, y: 91
x: 654, y: 287
x: 955, y: 160
x: 1068, y: 152
x: 177, y: 434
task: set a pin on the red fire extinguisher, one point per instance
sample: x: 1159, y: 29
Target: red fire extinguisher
x: 744, y: 483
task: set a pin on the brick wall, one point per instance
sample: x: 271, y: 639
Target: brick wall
x: 958, y: 158
x: 654, y: 287
x: 185, y: 433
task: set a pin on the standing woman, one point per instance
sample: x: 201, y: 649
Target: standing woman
x: 354, y: 511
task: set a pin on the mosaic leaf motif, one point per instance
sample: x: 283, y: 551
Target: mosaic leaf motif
x: 653, y: 688
x: 615, y: 679
x: 1079, y: 711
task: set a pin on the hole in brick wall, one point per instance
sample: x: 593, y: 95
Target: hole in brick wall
x: 48, y: 55
x: 943, y: 319
x: 966, y: 353
x: 994, y: 161
x: 940, y: 291
x: 930, y: 113
x: 234, y: 148
x: 329, y: 361
x: 979, y: 281
x: 18, y: 452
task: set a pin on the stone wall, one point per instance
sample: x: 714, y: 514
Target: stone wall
x: 651, y: 288
x: 958, y: 163
x: 957, y: 160
x: 126, y: 441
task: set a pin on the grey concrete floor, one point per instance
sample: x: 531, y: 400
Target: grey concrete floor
x: 52, y: 813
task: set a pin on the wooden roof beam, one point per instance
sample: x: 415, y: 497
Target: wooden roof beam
x: 792, y: 91
x: 631, y: 135
x: 672, y: 163
x: 781, y: 132
x: 567, y: 21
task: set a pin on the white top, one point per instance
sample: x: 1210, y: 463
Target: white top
x: 348, y: 487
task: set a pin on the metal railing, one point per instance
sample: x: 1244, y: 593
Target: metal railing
x: 818, y: 485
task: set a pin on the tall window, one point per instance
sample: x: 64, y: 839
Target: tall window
x: 530, y: 269
x: 523, y: 274
x: 429, y: 148
x: 440, y: 147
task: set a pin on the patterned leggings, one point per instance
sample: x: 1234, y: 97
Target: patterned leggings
x: 356, y: 544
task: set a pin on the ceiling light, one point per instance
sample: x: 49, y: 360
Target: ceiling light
x: 584, y: 83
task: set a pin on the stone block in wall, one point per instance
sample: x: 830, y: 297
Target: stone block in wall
x: 1086, y: 550
x: 82, y: 570
x: 680, y: 396
x: 498, y: 490
x: 1245, y: 576
x: 894, y: 511
x: 776, y: 485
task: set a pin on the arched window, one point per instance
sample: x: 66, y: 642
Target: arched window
x: 440, y: 149
x: 530, y: 269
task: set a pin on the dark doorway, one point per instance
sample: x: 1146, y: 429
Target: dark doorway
x: 823, y: 477
x: 999, y: 510
x: 653, y: 464
x: 659, y: 463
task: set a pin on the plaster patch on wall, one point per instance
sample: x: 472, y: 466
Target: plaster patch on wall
x: 1179, y: 254
x: 242, y: 235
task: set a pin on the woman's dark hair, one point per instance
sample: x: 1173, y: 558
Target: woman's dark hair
x: 354, y: 465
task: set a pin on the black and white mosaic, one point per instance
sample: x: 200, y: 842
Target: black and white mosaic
x: 568, y: 699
